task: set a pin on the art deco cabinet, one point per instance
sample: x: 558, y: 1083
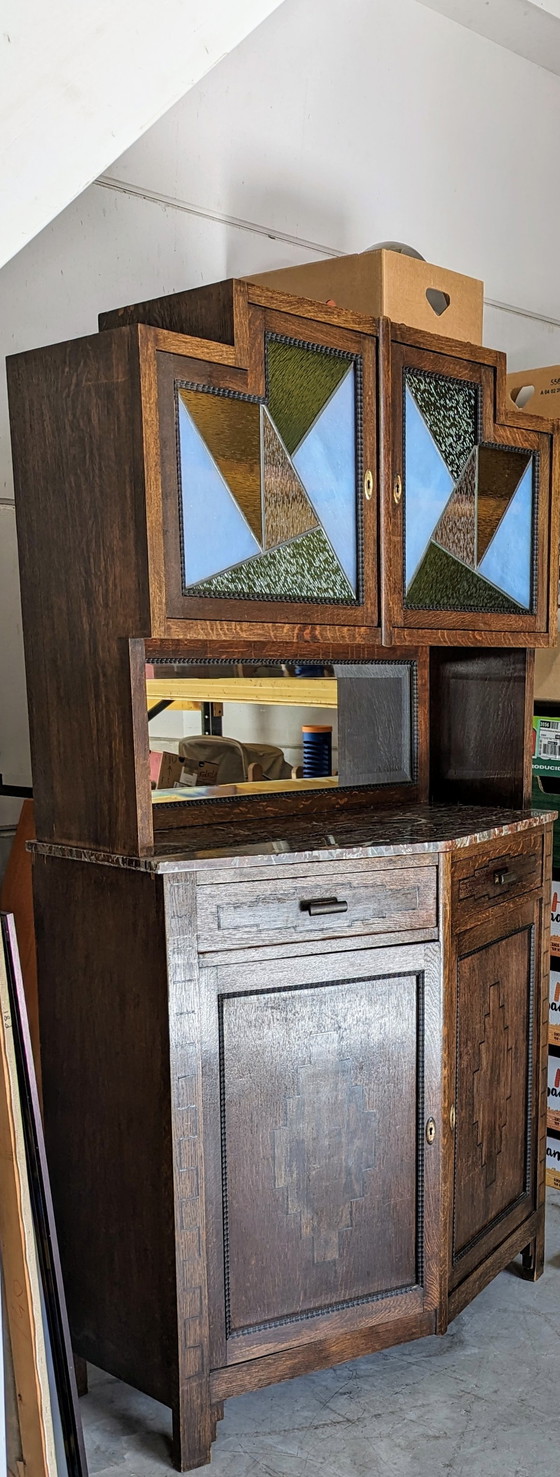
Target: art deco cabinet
x: 292, y: 1022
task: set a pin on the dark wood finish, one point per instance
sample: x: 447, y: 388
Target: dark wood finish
x: 202, y: 312
x: 106, y: 1071
x: 78, y: 462
x: 256, y: 1374
x: 16, y: 896
x: 236, y: 1053
x: 480, y: 725
x: 249, y: 1102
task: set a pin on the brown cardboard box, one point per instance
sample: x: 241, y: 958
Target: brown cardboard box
x: 165, y: 769
x: 545, y: 387
x: 389, y: 284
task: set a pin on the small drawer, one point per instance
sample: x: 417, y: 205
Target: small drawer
x: 482, y: 882
x: 323, y: 903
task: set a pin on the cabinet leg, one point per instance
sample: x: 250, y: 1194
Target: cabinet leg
x: 532, y: 1256
x: 193, y: 1426
x: 80, y: 1369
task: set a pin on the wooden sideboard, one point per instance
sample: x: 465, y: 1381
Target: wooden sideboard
x: 293, y: 1030
x: 294, y: 1092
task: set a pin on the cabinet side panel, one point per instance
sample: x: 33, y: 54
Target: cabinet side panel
x: 79, y: 482
x: 105, y: 1052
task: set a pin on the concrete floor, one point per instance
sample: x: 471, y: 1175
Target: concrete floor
x: 480, y: 1402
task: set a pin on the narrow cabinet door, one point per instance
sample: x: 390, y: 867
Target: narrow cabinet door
x: 498, y: 983
x: 466, y: 505
x: 323, y: 1146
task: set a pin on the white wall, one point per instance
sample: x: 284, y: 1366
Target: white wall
x: 338, y: 124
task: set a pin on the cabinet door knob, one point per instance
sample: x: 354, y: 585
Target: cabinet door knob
x: 368, y: 486
x: 431, y: 1130
x: 452, y: 1117
x: 397, y: 489
x: 316, y: 905
x: 500, y: 877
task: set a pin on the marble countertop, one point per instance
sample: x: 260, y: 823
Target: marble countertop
x: 423, y: 828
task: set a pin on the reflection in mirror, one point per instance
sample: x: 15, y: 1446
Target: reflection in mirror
x: 219, y: 729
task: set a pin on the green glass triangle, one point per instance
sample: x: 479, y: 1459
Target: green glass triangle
x: 449, y: 408
x: 299, y: 383
x: 442, y: 583
x: 305, y: 569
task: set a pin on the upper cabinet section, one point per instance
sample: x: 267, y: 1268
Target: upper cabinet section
x: 262, y: 478
x: 468, y: 505
x: 257, y: 467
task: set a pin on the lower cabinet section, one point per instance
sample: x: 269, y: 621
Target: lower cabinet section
x: 328, y: 1081
x: 274, y: 1157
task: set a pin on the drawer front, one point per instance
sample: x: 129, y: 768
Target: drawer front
x: 329, y: 905
x: 483, y: 881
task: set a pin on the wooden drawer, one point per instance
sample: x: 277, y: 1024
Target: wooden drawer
x: 322, y: 903
x: 482, y: 880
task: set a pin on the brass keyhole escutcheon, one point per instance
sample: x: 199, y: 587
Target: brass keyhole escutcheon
x: 452, y: 1117
x: 368, y: 486
x: 431, y: 1130
x: 397, y: 490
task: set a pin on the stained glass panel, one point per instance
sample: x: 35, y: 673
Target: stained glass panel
x: 456, y: 530
x: 428, y: 484
x: 287, y: 511
x: 500, y: 469
x: 305, y: 569
x: 299, y: 381
x: 450, y: 410
x: 326, y: 462
x: 442, y: 583
x: 231, y: 429
x: 215, y: 533
x: 508, y: 558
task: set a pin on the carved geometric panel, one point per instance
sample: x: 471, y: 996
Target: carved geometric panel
x: 493, y: 1080
x: 319, y: 1103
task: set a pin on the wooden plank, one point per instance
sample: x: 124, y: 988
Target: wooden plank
x: 315, y: 692
x: 17, y: 1249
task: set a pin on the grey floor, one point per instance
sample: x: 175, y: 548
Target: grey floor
x: 480, y: 1402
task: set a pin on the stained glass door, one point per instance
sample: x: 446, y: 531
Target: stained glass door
x: 266, y: 509
x: 469, y: 498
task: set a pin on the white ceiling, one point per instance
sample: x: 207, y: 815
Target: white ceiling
x: 529, y: 27
x: 79, y: 83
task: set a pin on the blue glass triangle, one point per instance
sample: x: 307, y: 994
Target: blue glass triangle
x: 428, y: 484
x: 215, y: 533
x: 326, y: 463
x: 508, y: 560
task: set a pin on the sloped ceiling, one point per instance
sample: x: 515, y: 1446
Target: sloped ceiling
x: 80, y: 83
x: 529, y: 27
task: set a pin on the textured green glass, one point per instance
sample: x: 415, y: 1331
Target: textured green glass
x: 449, y: 408
x: 299, y: 383
x: 305, y: 569
x: 443, y: 584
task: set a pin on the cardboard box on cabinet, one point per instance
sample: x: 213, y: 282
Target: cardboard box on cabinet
x: 536, y: 390
x: 392, y: 285
x: 553, y: 1162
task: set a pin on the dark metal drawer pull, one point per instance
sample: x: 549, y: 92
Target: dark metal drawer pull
x: 500, y: 877
x: 317, y: 905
